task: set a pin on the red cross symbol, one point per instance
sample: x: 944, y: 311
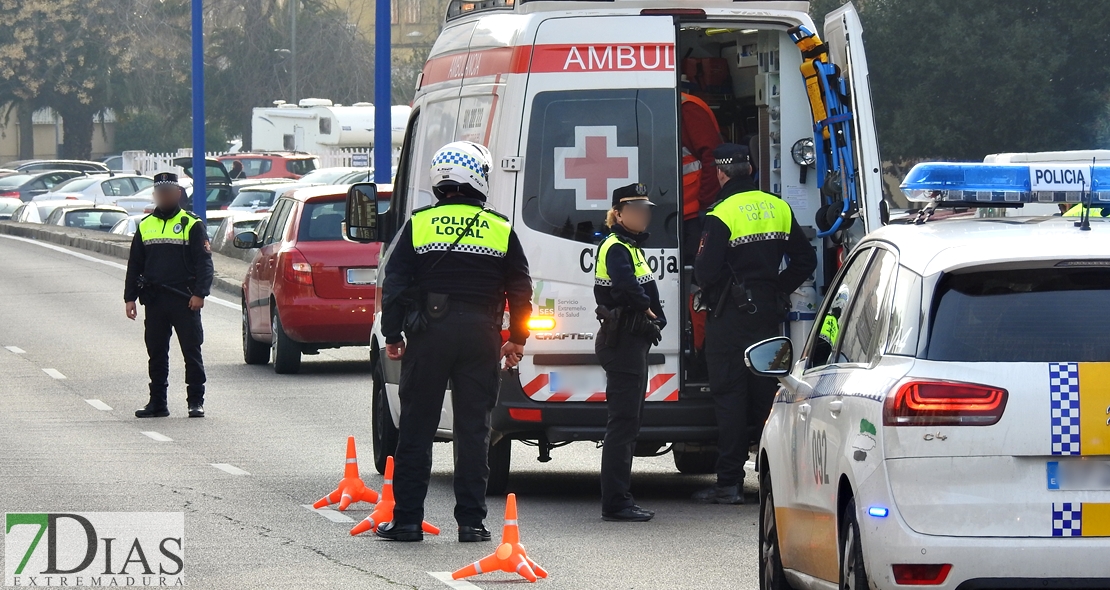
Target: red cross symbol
x: 595, y: 166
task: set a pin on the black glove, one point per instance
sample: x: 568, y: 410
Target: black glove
x: 656, y: 333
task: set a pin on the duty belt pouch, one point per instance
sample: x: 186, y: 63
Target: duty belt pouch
x: 742, y: 297
x: 436, y: 305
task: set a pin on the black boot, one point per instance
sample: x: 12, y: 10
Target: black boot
x: 153, y: 410
x: 733, y: 494
x: 391, y: 531
x: 474, y: 534
x: 196, y: 410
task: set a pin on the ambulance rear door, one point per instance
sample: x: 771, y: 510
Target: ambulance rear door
x: 844, y: 36
x: 600, y: 113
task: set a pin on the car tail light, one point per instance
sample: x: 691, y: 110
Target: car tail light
x: 296, y: 268
x: 944, y: 403
x: 526, y: 415
x: 917, y: 574
x: 10, y: 194
x: 262, y: 210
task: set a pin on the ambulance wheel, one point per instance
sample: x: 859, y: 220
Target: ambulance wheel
x: 500, y: 458
x: 287, y: 353
x: 385, y: 432
x: 254, y: 352
x: 698, y: 462
x: 771, y: 575
x: 853, y: 576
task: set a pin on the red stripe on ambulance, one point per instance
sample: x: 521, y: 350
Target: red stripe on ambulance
x: 605, y: 57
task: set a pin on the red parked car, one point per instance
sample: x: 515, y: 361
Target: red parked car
x: 307, y: 287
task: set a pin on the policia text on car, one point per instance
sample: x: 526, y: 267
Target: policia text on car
x: 447, y: 279
x: 747, y: 233
x: 631, y: 322
x: 169, y: 271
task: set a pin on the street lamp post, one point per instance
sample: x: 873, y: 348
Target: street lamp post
x: 383, y: 146
x: 200, y: 195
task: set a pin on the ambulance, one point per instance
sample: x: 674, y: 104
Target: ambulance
x: 577, y: 98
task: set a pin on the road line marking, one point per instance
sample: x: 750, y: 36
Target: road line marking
x: 328, y: 513
x: 15, y: 350
x: 229, y: 468
x: 99, y: 405
x: 55, y: 373
x: 55, y: 248
x: 157, y: 436
x: 446, y: 578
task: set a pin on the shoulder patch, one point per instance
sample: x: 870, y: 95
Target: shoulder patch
x: 496, y: 212
x: 190, y: 214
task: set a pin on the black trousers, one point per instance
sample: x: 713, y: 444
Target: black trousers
x: 625, y: 387
x: 465, y: 348
x: 742, y: 401
x: 166, y: 314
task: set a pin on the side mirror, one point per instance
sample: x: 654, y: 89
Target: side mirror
x: 361, y: 224
x: 770, y: 358
x: 245, y: 240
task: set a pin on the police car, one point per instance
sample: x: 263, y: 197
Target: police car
x: 947, y: 423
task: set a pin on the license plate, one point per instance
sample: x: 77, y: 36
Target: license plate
x: 1079, y: 475
x: 362, y: 276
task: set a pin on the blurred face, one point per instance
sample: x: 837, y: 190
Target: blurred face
x: 634, y: 216
x: 167, y: 197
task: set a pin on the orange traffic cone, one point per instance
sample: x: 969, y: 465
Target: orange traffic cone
x: 510, y: 555
x: 383, y: 512
x: 351, y: 489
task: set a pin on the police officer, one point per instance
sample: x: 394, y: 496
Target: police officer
x: 747, y: 233
x: 632, y: 319
x: 169, y: 271
x: 447, y: 279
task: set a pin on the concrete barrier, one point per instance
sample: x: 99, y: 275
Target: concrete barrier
x: 229, y: 272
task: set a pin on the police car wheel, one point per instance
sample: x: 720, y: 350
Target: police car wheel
x: 852, y: 573
x: 500, y: 460
x: 381, y: 419
x: 771, y: 575
x: 254, y: 352
x: 287, y: 353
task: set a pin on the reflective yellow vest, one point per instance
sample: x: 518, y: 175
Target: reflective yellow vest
x: 754, y: 216
x: 639, y: 262
x: 1077, y: 211
x: 436, y: 228
x: 167, y: 231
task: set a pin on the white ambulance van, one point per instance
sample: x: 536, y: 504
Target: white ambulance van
x: 574, y: 99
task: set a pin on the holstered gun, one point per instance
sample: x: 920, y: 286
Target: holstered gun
x: 610, y: 323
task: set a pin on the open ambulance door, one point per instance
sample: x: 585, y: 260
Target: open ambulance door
x: 844, y: 36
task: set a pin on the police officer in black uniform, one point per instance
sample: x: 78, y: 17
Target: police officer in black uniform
x: 747, y: 232
x: 169, y: 271
x: 632, y: 320
x: 446, y: 282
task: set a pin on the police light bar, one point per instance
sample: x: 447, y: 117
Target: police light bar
x: 1002, y: 185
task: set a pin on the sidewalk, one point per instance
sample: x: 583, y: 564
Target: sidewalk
x: 229, y: 271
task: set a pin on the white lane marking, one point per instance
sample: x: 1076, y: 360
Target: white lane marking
x: 227, y: 467
x: 15, y: 350
x: 99, y: 405
x: 157, y: 436
x: 445, y: 577
x: 55, y: 248
x: 55, y: 373
x: 328, y: 513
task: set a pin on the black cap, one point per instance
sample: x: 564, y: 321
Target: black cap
x: 166, y: 179
x: 731, y: 153
x: 631, y: 193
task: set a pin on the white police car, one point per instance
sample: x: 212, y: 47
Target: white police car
x: 948, y: 423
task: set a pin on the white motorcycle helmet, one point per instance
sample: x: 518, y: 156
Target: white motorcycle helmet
x: 463, y: 167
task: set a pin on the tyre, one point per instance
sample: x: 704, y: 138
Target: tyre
x: 771, y: 575
x: 695, y: 462
x: 254, y: 352
x: 853, y: 576
x: 500, y: 459
x: 381, y: 420
x: 287, y: 353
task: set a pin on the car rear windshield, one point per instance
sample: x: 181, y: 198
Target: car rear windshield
x: 96, y: 220
x: 300, y: 167
x: 77, y: 184
x: 1026, y: 315
x: 14, y: 180
x: 322, y: 221
x: 253, y: 199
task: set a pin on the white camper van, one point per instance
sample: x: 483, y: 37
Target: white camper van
x: 574, y: 99
x: 315, y: 125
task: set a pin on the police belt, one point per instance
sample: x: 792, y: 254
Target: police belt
x: 468, y: 307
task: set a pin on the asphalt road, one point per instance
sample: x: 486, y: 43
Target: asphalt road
x: 280, y: 441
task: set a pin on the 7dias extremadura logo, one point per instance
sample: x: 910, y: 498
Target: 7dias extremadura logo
x: 94, y: 549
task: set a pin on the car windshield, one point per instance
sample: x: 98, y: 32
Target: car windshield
x: 77, y: 184
x: 322, y: 221
x: 253, y: 198
x: 96, y: 220
x: 1025, y: 315
x: 15, y: 180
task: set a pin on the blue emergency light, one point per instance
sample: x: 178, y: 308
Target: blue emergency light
x: 1001, y: 185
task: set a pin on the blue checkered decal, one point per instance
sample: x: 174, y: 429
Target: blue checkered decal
x: 1063, y: 380
x: 460, y: 159
x: 1067, y: 519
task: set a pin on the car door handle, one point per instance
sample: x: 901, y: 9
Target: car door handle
x: 803, y: 411
x: 836, y: 406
